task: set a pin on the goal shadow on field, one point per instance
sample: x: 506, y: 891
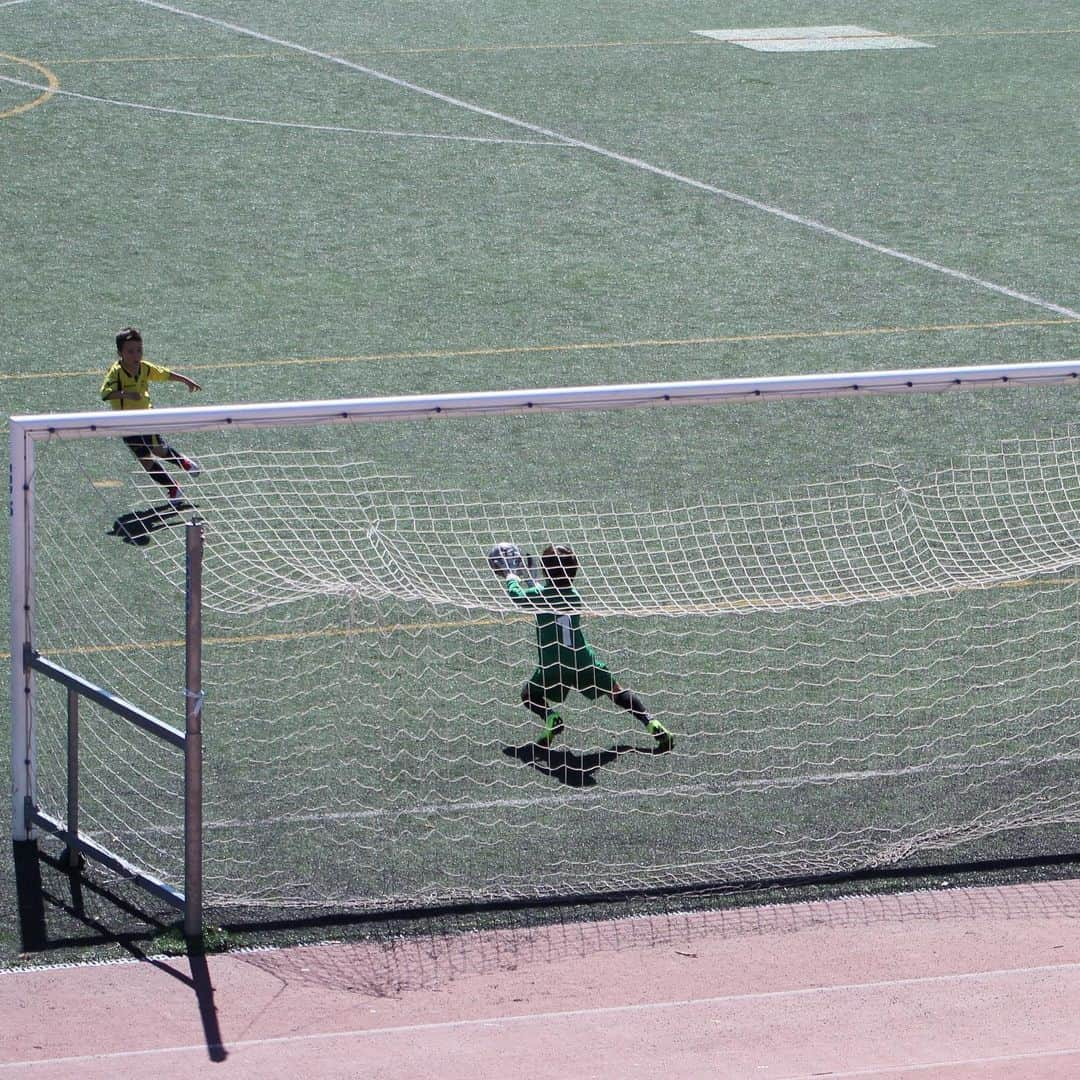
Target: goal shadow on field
x: 567, y: 766
x: 389, y: 962
x: 61, y: 907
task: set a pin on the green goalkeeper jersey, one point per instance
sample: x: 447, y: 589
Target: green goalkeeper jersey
x: 559, y: 638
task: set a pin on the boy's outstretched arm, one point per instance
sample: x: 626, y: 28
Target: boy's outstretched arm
x: 191, y: 384
x: 522, y: 593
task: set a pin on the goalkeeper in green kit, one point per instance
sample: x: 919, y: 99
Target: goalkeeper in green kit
x: 567, y: 661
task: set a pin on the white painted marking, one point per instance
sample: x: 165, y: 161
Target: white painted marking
x: 612, y: 155
x: 834, y: 44
x: 812, y: 39
x: 279, y: 123
x: 12, y: 3
x: 789, y: 33
x: 566, y: 1014
x: 573, y: 797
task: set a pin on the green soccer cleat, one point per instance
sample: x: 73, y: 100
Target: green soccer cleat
x: 553, y: 726
x: 664, y: 740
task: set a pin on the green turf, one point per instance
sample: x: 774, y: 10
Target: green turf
x: 401, y: 265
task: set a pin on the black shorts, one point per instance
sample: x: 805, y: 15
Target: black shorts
x: 552, y: 684
x: 144, y: 446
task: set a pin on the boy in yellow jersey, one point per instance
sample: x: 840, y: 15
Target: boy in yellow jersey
x: 566, y: 660
x: 126, y: 386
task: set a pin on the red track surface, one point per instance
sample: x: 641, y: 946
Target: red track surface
x: 963, y: 983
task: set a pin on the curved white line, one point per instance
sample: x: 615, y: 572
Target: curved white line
x: 276, y: 123
x: 636, y: 163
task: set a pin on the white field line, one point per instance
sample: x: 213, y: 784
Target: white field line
x: 442, y: 810
x: 612, y: 155
x: 278, y: 123
x: 546, y: 1018
x: 12, y: 3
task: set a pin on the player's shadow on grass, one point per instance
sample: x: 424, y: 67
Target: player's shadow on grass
x: 136, y: 527
x: 566, y: 766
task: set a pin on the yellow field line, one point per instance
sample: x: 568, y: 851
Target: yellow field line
x: 457, y: 624
x: 1023, y: 584
x: 208, y: 57
x: 996, y: 33
x: 584, y: 346
x: 518, y: 47
x: 253, y: 639
x: 53, y: 81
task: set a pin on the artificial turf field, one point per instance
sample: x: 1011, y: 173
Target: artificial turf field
x: 471, y: 198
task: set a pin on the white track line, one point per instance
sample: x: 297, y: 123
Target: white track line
x: 636, y: 163
x: 901, y: 1070
x: 277, y: 123
x: 567, y: 1014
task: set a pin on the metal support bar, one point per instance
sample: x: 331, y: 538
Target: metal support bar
x: 73, y: 858
x: 193, y: 705
x: 106, y: 700
x: 107, y: 858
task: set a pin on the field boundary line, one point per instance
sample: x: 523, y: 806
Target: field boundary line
x: 191, y: 113
x: 574, y: 797
x: 575, y: 346
x: 599, y: 1010
x: 636, y: 163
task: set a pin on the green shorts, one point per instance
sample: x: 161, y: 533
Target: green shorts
x: 553, y: 683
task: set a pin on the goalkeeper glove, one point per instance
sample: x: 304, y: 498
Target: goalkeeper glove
x: 506, y: 559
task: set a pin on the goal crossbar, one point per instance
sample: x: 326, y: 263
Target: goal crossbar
x: 83, y: 425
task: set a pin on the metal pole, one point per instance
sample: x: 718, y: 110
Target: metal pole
x: 193, y: 703
x: 23, y: 740
x: 73, y: 858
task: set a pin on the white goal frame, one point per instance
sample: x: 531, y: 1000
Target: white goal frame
x: 27, y: 431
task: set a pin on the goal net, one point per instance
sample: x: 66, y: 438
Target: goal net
x: 862, y: 665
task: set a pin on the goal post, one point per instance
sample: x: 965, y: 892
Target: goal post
x: 350, y: 585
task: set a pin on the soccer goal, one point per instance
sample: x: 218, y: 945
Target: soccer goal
x: 850, y: 599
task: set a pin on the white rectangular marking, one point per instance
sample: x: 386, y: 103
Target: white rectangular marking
x: 812, y: 39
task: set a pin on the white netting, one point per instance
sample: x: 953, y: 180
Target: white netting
x: 867, y: 671
x: 289, y: 525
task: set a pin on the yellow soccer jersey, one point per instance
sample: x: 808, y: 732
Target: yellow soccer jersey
x: 118, y: 379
